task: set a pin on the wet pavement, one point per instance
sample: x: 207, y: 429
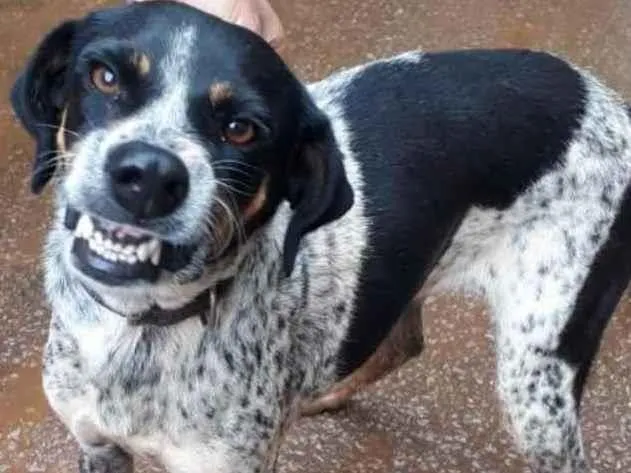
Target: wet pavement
x: 436, y: 415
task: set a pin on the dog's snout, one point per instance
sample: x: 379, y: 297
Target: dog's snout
x: 146, y: 180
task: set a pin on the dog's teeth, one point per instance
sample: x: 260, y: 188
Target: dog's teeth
x: 153, y: 244
x: 84, y: 227
x: 110, y: 249
x: 129, y: 250
x: 143, y: 252
x: 155, y: 257
x: 154, y: 248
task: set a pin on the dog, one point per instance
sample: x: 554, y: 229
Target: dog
x: 230, y: 246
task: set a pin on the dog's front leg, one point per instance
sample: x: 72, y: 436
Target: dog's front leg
x: 405, y: 341
x: 104, y: 459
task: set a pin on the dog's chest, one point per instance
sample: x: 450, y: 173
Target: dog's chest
x: 113, y: 383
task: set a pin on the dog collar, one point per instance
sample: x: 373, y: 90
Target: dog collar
x: 203, y: 306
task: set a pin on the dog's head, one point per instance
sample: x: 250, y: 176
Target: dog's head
x: 172, y: 135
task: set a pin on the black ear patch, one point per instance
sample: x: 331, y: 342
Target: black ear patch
x: 38, y: 98
x: 318, y: 189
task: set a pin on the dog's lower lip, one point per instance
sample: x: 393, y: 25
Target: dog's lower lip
x: 117, y: 253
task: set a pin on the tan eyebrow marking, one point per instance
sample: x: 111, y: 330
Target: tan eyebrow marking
x: 220, y: 92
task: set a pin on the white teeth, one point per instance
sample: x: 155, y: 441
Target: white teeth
x: 111, y: 250
x: 155, y: 258
x: 155, y: 248
x: 143, y: 252
x: 154, y: 245
x: 129, y: 250
x: 84, y: 228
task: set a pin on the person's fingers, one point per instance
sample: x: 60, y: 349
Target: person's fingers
x: 260, y: 17
x: 256, y: 15
x: 220, y: 8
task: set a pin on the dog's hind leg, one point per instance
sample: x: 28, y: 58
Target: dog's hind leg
x: 550, y: 310
x: 404, y: 341
x: 536, y: 386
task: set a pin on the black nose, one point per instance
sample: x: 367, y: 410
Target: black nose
x: 146, y: 180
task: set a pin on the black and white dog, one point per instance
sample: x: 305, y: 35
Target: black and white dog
x: 229, y: 243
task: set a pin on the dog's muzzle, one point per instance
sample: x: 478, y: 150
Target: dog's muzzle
x: 147, y: 182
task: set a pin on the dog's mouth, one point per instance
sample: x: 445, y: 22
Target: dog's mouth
x: 116, y: 253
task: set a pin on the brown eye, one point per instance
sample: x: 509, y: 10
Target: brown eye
x: 239, y: 132
x: 104, y: 79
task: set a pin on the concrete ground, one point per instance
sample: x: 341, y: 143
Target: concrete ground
x: 438, y: 414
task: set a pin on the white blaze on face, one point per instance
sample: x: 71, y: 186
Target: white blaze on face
x: 162, y: 122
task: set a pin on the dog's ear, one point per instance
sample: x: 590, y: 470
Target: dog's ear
x: 318, y: 189
x: 38, y: 99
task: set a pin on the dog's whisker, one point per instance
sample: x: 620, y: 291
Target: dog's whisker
x: 231, y: 188
x: 228, y: 170
x: 60, y: 160
x: 236, y: 163
x: 230, y: 219
x: 57, y: 128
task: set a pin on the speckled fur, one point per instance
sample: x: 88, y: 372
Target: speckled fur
x: 199, y: 399
x: 530, y: 262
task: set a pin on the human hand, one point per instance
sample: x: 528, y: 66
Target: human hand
x: 256, y: 15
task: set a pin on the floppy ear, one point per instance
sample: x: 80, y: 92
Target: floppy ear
x: 37, y: 98
x: 318, y: 189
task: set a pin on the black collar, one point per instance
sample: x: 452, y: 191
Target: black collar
x: 203, y: 306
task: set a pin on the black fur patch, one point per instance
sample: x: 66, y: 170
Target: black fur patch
x: 434, y: 138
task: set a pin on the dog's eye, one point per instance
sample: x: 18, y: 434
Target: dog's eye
x: 104, y: 79
x: 239, y: 132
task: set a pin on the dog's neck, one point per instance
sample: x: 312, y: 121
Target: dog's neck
x: 203, y: 306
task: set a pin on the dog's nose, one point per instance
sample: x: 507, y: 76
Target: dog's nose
x: 146, y: 180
